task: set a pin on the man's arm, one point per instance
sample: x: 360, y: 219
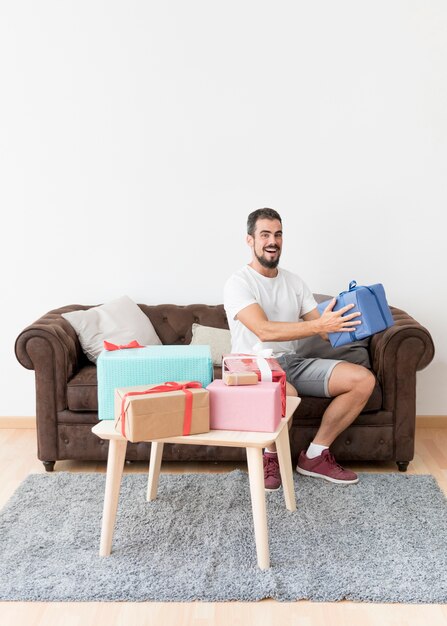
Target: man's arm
x: 254, y: 318
x: 315, y: 315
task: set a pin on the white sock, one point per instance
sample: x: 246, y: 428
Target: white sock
x: 270, y: 451
x: 315, y: 449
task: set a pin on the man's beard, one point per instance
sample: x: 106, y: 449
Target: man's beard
x: 268, y: 264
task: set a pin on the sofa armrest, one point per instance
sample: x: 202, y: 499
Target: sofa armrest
x: 51, y: 348
x: 398, y: 353
x: 51, y: 333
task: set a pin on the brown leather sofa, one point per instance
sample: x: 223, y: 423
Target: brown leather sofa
x: 66, y: 391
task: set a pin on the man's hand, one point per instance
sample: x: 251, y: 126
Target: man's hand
x: 337, y: 321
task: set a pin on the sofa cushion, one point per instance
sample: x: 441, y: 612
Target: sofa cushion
x: 119, y: 321
x: 82, y: 390
x: 82, y: 395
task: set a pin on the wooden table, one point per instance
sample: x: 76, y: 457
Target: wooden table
x: 254, y: 442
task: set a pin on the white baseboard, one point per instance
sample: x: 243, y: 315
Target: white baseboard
x: 431, y: 421
x: 18, y: 422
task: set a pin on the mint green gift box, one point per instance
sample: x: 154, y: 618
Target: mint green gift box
x: 151, y: 365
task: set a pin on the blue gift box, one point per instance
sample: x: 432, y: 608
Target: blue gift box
x: 372, y: 304
x: 150, y: 365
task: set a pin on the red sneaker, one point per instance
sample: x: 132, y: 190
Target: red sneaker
x: 272, y: 476
x: 325, y: 466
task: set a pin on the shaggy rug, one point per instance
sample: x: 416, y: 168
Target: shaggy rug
x: 382, y: 540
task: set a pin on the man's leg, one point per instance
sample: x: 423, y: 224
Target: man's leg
x: 290, y: 391
x: 350, y: 386
x: 272, y: 475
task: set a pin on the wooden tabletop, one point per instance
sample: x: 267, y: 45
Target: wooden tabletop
x: 235, y: 438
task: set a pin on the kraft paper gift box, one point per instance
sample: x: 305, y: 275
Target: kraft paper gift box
x: 240, y: 378
x: 372, y: 304
x: 146, y: 412
x: 267, y: 369
x: 147, y: 366
x: 248, y: 407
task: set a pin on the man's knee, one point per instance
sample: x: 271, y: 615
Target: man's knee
x: 351, y: 377
x: 363, y: 380
x: 290, y: 390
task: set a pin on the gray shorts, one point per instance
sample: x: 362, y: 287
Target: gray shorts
x: 310, y: 377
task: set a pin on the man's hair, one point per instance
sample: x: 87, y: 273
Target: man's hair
x: 260, y: 214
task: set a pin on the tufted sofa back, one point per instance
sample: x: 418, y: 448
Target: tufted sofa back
x: 173, y: 323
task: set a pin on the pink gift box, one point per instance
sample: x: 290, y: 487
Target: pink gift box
x: 248, y: 407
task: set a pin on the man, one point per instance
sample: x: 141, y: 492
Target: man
x: 264, y: 305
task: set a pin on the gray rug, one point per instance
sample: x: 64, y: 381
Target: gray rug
x: 382, y: 540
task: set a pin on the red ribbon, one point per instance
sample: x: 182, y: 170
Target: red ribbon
x: 112, y: 346
x: 166, y: 388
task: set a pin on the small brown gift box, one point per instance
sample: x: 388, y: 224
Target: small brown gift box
x: 240, y: 378
x: 149, y: 412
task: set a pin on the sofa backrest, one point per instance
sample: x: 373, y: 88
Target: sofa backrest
x: 173, y: 323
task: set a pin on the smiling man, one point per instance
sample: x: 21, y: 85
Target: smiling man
x: 270, y: 307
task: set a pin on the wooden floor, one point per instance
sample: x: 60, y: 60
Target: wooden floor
x: 18, y: 459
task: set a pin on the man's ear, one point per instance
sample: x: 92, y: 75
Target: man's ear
x: 250, y: 241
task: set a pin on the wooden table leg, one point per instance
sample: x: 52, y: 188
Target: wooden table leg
x: 115, y: 465
x: 154, y: 469
x: 285, y: 467
x: 256, y: 476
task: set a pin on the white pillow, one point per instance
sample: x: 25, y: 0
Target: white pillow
x: 218, y: 339
x: 119, y: 321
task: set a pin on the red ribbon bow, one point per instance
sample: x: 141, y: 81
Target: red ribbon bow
x: 112, y: 346
x: 170, y: 386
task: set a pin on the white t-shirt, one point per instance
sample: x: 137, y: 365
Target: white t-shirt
x: 284, y: 298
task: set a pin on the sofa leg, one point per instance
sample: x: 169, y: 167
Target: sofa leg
x: 402, y: 465
x: 49, y: 465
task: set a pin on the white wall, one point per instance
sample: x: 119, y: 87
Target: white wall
x: 136, y: 136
